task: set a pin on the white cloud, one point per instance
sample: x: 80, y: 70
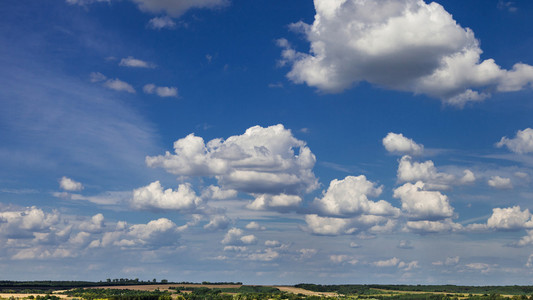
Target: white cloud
x: 132, y: 62
x: 409, y: 171
x: 266, y: 255
x: 156, y: 233
x: 342, y: 258
x: 450, y: 261
x: 119, y: 85
x: 397, y: 143
x: 272, y: 243
x: 70, y: 185
x: 161, y: 91
x: 152, y: 197
x: 350, y: 197
x: 468, y: 177
x: 177, y: 8
x: 280, y: 202
x: 254, y: 226
x: 484, y: 268
x: 500, y: 182
x: 402, y: 45
x: 396, y: 262
x: 510, y: 218
x: 214, y: 192
x: 420, y: 204
x: 307, y: 253
x: 218, y: 222
x: 387, y: 263
x: 235, y: 237
x: 328, y: 226
x: 161, y: 22
x: 95, y: 225
x: 521, y: 143
x: 425, y: 226
x: 24, y: 223
x: 262, y: 160
x: 529, y: 262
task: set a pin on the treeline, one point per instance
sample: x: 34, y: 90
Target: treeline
x: 373, y: 289
x: 494, y: 290
x: 118, y: 294
x: 45, y: 286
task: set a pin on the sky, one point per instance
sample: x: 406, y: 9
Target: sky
x: 267, y: 142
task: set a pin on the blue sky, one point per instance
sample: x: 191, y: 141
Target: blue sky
x: 267, y: 142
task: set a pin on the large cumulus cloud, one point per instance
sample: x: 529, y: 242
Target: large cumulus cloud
x: 403, y: 45
x: 262, y: 160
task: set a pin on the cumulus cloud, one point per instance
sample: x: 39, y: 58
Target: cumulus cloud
x: 328, y: 226
x: 153, y: 197
x: 94, y: 225
x: 161, y: 22
x: 261, y: 161
x: 402, y: 45
x: 254, y: 226
x: 70, y: 185
x: 510, y: 218
x: 521, y: 143
x: 342, y: 258
x: 426, y: 226
x: 350, y: 197
x: 217, y: 222
x: 397, y: 143
x: 498, y: 182
x: 266, y: 255
x: 214, y: 192
x: 396, y: 262
x: 235, y: 237
x: 156, y: 233
x: 132, y: 62
x: 278, y: 202
x: 420, y: 204
x: 24, y: 223
x: 161, y: 91
x: 412, y: 171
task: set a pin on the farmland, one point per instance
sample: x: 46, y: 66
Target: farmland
x: 50, y: 290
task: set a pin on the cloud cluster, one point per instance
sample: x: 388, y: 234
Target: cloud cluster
x: 36, y: 234
x: 412, y: 171
x: 403, y: 45
x: 521, y: 143
x: 349, y: 197
x: 153, y: 197
x: 420, y: 204
x: 236, y: 237
x: 262, y: 161
x: 510, y: 218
